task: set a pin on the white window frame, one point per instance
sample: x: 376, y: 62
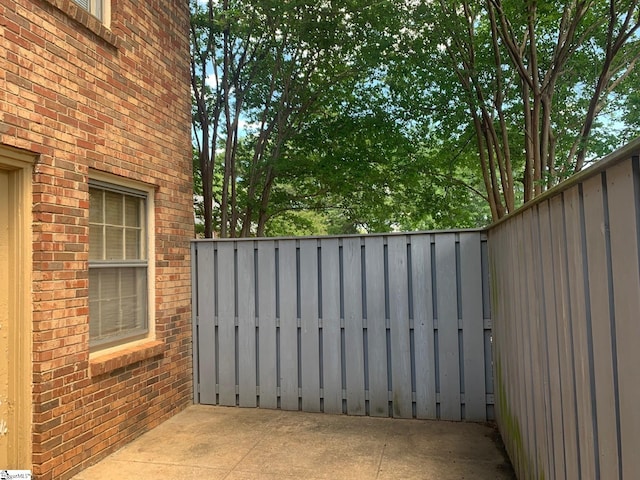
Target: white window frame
x: 106, y: 181
x: 101, y: 9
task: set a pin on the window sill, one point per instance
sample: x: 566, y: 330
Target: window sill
x: 84, y: 18
x: 102, y: 364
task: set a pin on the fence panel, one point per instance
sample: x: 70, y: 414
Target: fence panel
x: 387, y: 325
x: 623, y: 194
x: 566, y: 296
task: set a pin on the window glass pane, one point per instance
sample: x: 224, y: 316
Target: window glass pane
x: 93, y: 6
x: 94, y: 286
x: 114, y: 244
x: 129, y: 312
x: 83, y: 3
x: 95, y: 242
x: 132, y: 211
x: 110, y: 318
x: 118, y: 303
x: 95, y: 205
x: 132, y: 244
x: 109, y: 288
x: 128, y: 281
x: 113, y: 203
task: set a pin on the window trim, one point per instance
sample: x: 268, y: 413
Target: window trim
x: 131, y: 187
x: 100, y: 28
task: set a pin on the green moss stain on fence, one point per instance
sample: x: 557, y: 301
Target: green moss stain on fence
x: 508, y: 422
x: 509, y: 425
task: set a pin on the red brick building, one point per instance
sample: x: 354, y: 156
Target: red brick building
x: 95, y: 222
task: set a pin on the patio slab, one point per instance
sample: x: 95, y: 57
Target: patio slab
x: 208, y: 442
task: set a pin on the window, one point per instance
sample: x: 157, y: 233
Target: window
x: 118, y: 265
x: 95, y: 7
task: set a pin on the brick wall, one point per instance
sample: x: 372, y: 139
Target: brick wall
x: 116, y: 100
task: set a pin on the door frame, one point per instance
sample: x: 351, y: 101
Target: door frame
x: 19, y: 166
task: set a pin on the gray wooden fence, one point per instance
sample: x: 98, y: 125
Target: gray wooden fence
x: 385, y: 325
x: 566, y: 307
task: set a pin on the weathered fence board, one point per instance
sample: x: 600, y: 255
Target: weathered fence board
x: 353, y: 327
x: 447, y: 318
x: 376, y: 327
x: 472, y: 326
x: 551, y: 347
x: 399, y: 331
x: 226, y: 304
x: 331, y: 333
x: 564, y: 339
x: 288, y: 314
x: 580, y: 353
x: 566, y: 299
x: 540, y: 341
x: 206, y: 334
x: 247, y: 375
x: 607, y: 419
x: 345, y: 324
x: 267, y: 331
x: 309, y: 335
x: 423, y: 327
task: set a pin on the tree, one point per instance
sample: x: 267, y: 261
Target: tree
x: 359, y: 168
x: 259, y: 70
x: 529, y: 83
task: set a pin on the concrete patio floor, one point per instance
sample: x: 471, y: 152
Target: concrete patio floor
x: 207, y: 442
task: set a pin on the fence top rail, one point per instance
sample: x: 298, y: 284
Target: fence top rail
x: 355, y: 235
x: 631, y: 149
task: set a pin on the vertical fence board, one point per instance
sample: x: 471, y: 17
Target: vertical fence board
x: 605, y: 389
x: 353, y: 331
x: 206, y: 325
x: 533, y: 361
x: 446, y: 289
x: 288, y: 302
x: 195, y: 302
x: 309, y: 336
x: 247, y: 380
x: 555, y: 400
x: 580, y: 354
x: 423, y: 328
x: 267, y: 325
x: 226, y: 324
x: 565, y: 339
x: 626, y: 299
x: 331, y: 336
x: 520, y: 384
x: 473, y: 326
x: 540, y: 359
x: 498, y: 305
x: 399, y: 320
x: 376, y: 328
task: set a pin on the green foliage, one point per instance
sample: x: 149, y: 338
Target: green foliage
x: 545, y: 86
x: 352, y: 116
